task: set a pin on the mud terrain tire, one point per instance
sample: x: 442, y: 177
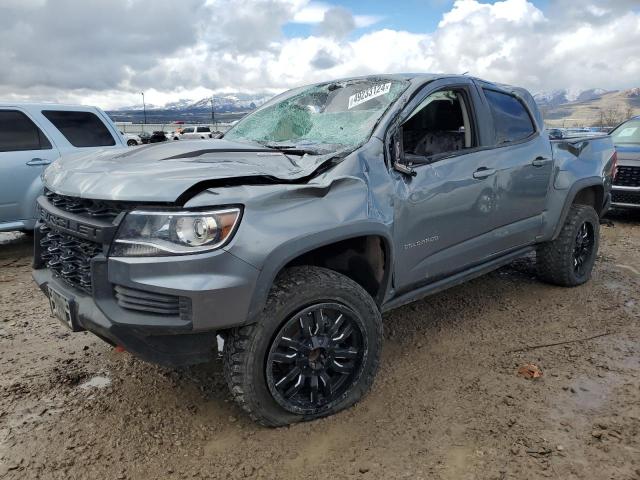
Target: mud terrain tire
x: 568, y: 260
x: 247, y: 349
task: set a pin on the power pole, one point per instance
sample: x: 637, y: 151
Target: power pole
x: 144, y: 108
x: 213, y: 115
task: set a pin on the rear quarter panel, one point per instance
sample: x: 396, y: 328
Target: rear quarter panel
x: 578, y: 163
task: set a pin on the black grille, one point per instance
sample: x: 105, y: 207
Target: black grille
x: 628, y: 176
x: 156, y: 303
x: 626, y: 197
x: 69, y: 257
x: 83, y: 206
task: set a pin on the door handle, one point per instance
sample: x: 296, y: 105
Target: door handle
x: 483, y: 173
x: 540, y: 161
x: 38, y: 161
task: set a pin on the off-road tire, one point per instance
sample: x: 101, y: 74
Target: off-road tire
x: 555, y: 259
x: 246, y: 348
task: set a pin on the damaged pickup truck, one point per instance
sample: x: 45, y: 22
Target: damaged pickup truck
x: 323, y: 209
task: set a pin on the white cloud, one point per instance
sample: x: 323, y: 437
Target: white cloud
x: 363, y: 21
x: 226, y: 45
x: 313, y: 13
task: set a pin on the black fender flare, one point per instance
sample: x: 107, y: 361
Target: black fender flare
x: 285, y: 253
x: 570, y: 197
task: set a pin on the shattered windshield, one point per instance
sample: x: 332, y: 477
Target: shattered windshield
x: 334, y: 115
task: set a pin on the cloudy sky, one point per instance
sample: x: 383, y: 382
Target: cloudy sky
x: 106, y: 52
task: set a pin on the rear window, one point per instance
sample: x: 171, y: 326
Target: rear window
x: 628, y: 132
x: 81, y: 129
x: 19, y: 133
x: 203, y: 129
x: 511, y: 120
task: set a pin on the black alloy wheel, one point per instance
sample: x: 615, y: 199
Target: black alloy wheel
x: 583, y: 249
x: 313, y: 351
x: 316, y: 357
x: 568, y: 259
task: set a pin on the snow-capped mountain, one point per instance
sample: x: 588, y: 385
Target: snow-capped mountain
x: 226, y: 108
x: 555, y: 98
x: 227, y: 103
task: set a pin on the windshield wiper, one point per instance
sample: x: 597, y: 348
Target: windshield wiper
x: 291, y: 149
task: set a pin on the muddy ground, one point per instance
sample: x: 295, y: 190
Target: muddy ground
x: 447, y: 403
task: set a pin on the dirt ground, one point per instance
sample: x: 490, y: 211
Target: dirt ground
x: 447, y: 402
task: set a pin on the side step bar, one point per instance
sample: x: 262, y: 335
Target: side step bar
x: 456, y: 279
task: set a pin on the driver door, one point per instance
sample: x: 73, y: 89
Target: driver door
x: 443, y: 213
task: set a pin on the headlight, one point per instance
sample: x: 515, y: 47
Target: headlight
x: 151, y: 233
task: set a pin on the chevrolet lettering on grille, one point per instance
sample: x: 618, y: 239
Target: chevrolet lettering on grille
x: 77, y: 228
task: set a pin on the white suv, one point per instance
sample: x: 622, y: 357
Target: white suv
x: 198, y: 131
x: 33, y: 136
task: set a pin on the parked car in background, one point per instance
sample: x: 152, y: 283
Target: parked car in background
x: 291, y: 235
x: 194, y: 132
x: 155, y: 137
x: 173, y: 135
x: 33, y: 136
x: 555, y: 133
x: 131, y: 139
x: 626, y: 185
x: 581, y: 132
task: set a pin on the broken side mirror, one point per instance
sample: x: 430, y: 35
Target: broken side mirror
x: 399, y: 163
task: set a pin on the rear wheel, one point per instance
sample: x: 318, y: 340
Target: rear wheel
x: 568, y: 260
x: 131, y: 143
x: 313, y: 352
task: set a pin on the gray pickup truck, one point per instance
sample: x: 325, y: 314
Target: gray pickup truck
x: 625, y: 192
x: 314, y: 215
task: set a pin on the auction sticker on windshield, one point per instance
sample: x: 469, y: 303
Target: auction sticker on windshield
x: 366, y: 95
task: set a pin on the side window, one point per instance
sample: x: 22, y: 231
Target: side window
x: 510, y: 118
x: 81, y: 129
x: 438, y: 125
x: 19, y: 133
x: 187, y: 130
x: 203, y: 129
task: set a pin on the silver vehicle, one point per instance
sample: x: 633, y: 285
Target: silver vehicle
x: 194, y: 132
x: 626, y: 185
x: 33, y: 136
x: 131, y: 139
x: 291, y: 235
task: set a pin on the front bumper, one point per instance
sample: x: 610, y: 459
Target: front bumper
x: 218, y: 287
x: 625, y: 197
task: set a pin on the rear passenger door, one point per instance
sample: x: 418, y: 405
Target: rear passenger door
x: 25, y: 151
x: 524, y: 166
x: 82, y: 129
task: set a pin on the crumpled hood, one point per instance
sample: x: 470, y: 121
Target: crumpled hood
x: 162, y: 172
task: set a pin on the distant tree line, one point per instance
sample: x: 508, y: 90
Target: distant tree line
x: 612, y: 116
x: 603, y: 117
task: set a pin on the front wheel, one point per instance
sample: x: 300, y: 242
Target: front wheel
x: 313, y: 352
x: 568, y: 260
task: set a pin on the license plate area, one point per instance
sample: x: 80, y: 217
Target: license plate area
x: 63, y: 308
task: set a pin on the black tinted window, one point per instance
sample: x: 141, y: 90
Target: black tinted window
x: 204, y: 129
x: 510, y: 118
x: 82, y: 129
x: 18, y: 132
